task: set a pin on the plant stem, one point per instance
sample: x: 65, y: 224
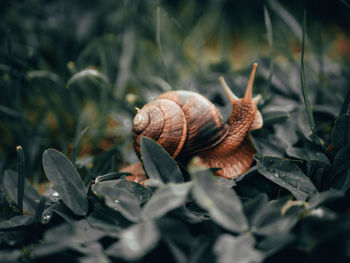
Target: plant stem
x: 21, y: 176
x: 313, y: 135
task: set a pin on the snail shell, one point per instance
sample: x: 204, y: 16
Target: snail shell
x: 182, y: 122
x: 185, y: 124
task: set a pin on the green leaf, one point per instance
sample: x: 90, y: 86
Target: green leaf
x: 107, y: 219
x: 109, y: 177
x: 21, y: 177
x: 341, y: 131
x: 158, y: 164
x: 222, y: 203
x: 135, y: 241
x: 286, y: 174
x: 268, y: 143
x: 324, y: 197
x: 240, y: 249
x: 31, y: 195
x: 165, y: 199
x: 341, y: 170
x: 90, y: 74
x: 66, y: 180
x: 275, y: 116
x: 16, y: 221
x: 307, y: 154
x: 49, y: 246
x: 275, y: 242
x: 253, y: 207
x: 10, y: 255
x: 268, y: 219
x: 120, y: 199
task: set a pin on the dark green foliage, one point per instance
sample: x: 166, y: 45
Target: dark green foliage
x: 71, y: 74
x: 66, y: 181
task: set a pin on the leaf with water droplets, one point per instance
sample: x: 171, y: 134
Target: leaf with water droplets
x: 120, y: 199
x: 66, y: 180
x: 287, y: 174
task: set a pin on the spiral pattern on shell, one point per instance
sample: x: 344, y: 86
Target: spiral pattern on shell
x: 181, y: 122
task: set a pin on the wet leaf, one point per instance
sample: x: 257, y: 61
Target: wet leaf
x: 286, y: 174
x: 120, y: 199
x: 66, y: 180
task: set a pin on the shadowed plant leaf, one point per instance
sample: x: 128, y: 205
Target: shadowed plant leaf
x: 66, y: 180
x: 135, y: 241
x: 158, y: 163
x: 165, y: 199
x: 17, y: 221
x: 237, y: 249
x: 222, y: 203
x: 341, y: 131
x: 90, y: 74
x: 341, y: 170
x: 324, y: 197
x: 287, y: 174
x: 275, y: 116
x: 273, y: 243
x: 269, y: 220
x: 120, y: 199
x: 307, y: 154
x: 31, y: 195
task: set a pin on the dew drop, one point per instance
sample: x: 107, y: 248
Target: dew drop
x: 55, y: 196
x: 46, y: 217
x: 116, y: 201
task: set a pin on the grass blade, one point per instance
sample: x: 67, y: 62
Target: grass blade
x: 269, y: 32
x: 306, y: 98
x: 160, y: 44
x: 21, y: 176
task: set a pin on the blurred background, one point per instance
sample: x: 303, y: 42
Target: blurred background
x: 71, y: 72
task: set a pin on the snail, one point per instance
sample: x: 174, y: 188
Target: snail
x: 186, y: 124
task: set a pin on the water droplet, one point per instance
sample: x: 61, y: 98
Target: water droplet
x: 116, y: 201
x: 46, y: 217
x: 276, y: 174
x: 55, y: 196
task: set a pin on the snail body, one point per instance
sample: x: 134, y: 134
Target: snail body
x: 186, y: 124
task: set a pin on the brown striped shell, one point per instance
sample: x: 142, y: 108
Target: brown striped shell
x: 187, y: 124
x: 183, y: 122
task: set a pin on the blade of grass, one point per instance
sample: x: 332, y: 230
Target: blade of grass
x: 345, y: 105
x: 313, y: 135
x: 269, y: 31
x: 21, y: 176
x: 160, y: 44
